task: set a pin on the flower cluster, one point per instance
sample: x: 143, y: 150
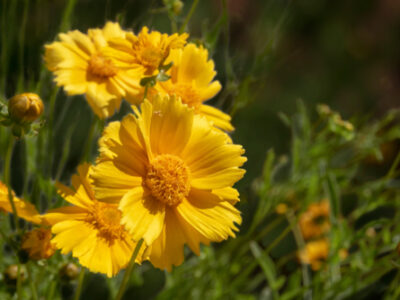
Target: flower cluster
x: 164, y: 175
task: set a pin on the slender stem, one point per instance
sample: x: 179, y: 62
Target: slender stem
x: 80, y: 284
x: 189, y: 15
x: 300, y: 245
x: 19, y: 282
x: 31, y: 283
x: 89, y: 141
x: 128, y: 271
x: 22, y: 66
x: 7, y: 179
x: 394, y: 166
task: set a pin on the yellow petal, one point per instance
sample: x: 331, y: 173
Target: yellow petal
x: 217, y: 117
x: 143, y: 216
x: 209, y: 216
x: 167, y: 249
x: 111, y: 183
x: 171, y: 125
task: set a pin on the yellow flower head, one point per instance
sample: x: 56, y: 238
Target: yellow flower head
x: 90, y: 229
x: 192, y: 75
x: 314, y: 253
x: 24, y: 209
x: 37, y: 244
x: 171, y: 174
x: 26, y: 107
x: 315, y: 222
x: 81, y: 67
x: 151, y: 49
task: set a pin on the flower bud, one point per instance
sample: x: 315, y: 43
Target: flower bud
x: 69, y: 271
x: 177, y: 6
x: 11, y: 274
x: 25, y: 108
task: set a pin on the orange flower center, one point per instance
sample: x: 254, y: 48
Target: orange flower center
x: 186, y: 92
x: 168, y: 179
x: 150, y: 57
x: 101, y: 67
x: 106, y: 219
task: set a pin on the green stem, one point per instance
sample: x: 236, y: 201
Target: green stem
x: 393, y: 167
x: 7, y: 179
x: 19, y: 282
x: 189, y: 15
x: 300, y: 245
x: 89, y: 141
x: 20, y: 85
x: 128, y: 271
x: 31, y: 283
x: 80, y: 284
x: 66, y: 19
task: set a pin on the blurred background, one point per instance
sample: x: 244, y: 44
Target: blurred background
x: 268, y: 54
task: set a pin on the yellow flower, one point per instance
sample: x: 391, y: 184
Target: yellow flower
x: 146, y: 51
x: 314, y: 253
x: 314, y: 222
x: 191, y: 80
x: 90, y: 229
x: 172, y: 174
x: 37, y: 244
x: 81, y: 67
x: 26, y: 107
x: 24, y: 209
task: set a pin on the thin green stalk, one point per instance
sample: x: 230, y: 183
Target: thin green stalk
x: 31, y: 283
x: 189, y: 15
x: 89, y: 141
x: 66, y: 19
x: 21, y: 41
x: 80, y: 284
x: 19, y: 282
x: 7, y: 179
x: 394, y: 166
x: 300, y: 245
x: 247, y: 271
x: 128, y: 271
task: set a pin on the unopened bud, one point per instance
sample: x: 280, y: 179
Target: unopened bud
x: 69, y: 271
x: 11, y: 274
x: 25, y: 108
x: 177, y: 6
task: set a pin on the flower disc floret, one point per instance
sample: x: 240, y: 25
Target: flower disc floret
x: 102, y: 67
x: 168, y: 179
x: 106, y: 220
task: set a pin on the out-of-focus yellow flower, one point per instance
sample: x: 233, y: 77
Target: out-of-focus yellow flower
x: 37, y: 244
x: 314, y: 222
x: 315, y: 253
x: 25, y: 108
x: 192, y: 75
x: 81, y: 67
x: 91, y: 229
x: 171, y: 173
x: 281, y: 208
x: 24, y: 209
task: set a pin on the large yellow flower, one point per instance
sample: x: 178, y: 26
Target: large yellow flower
x: 191, y: 80
x: 24, y: 209
x: 81, y: 67
x: 172, y: 174
x: 90, y: 229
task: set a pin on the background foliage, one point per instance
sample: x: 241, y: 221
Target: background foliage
x: 268, y: 54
